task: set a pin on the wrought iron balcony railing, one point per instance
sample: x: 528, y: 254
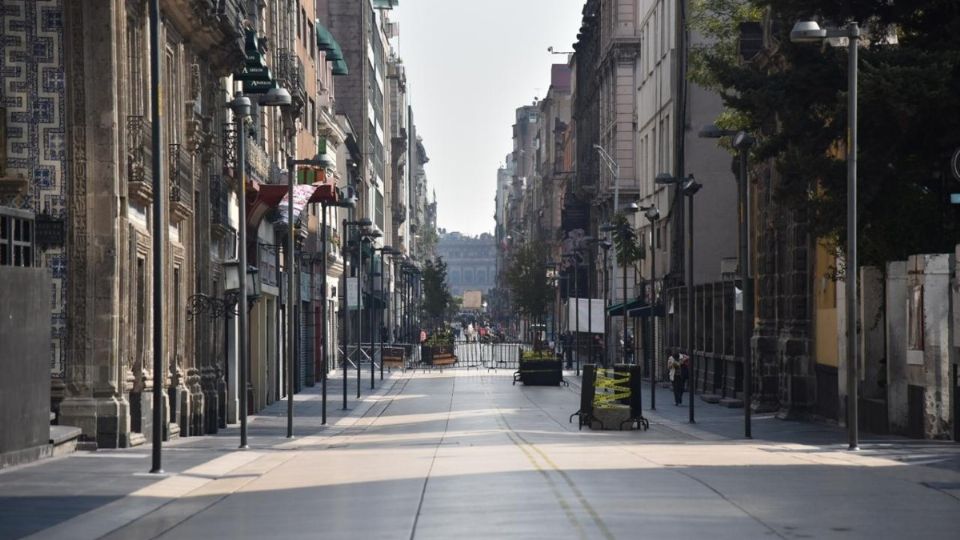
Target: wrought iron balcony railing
x: 136, y: 149
x: 173, y: 163
x: 229, y: 147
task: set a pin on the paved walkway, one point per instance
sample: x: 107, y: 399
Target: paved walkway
x: 465, y: 454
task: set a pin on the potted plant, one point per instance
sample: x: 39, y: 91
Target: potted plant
x: 539, y: 367
x: 438, y: 349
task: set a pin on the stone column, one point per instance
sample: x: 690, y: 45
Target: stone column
x: 797, y: 370
x: 94, y: 374
x: 764, y: 342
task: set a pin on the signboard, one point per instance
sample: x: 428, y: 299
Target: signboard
x: 472, y: 300
x: 589, y: 309
x: 258, y: 87
x: 48, y: 232
x: 254, y: 73
x: 353, y: 301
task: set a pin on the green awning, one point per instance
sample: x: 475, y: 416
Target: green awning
x: 616, y: 310
x: 385, y: 4
x: 340, y: 68
x: 326, y: 42
x: 645, y: 311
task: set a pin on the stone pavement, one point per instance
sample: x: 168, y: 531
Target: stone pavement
x: 467, y: 454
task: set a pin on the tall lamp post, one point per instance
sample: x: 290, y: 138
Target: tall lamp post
x: 811, y: 32
x: 359, y: 224
x: 348, y: 202
x: 742, y: 141
x: 291, y: 265
x: 157, y: 240
x: 653, y: 215
x: 614, y: 169
x: 689, y: 187
x: 385, y: 252
x: 240, y: 106
x: 371, y: 237
x: 605, y: 245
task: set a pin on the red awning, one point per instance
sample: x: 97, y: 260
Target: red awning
x: 261, y: 198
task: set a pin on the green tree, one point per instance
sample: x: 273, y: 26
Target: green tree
x: 527, y: 278
x: 436, y: 294
x: 627, y: 245
x: 793, y: 96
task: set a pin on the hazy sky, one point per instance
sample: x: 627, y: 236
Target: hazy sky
x: 469, y: 66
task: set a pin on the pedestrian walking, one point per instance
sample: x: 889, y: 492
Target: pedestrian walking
x: 676, y: 372
x: 599, y: 357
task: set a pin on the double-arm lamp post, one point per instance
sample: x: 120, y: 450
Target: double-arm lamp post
x: 652, y: 213
x: 688, y: 187
x: 369, y: 236
x: 385, y: 251
x: 291, y: 264
x: 338, y: 202
x: 742, y: 141
x: 811, y: 32
x: 359, y: 224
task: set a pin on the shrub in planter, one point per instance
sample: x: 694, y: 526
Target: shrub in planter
x: 539, y: 368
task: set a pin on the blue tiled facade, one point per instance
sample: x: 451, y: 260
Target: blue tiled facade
x: 32, y: 90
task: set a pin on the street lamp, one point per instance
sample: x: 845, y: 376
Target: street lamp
x: 689, y: 187
x: 574, y: 259
x: 348, y: 202
x: 157, y: 240
x: 370, y: 237
x: 742, y: 141
x: 605, y: 245
x: 586, y: 242
x: 652, y: 213
x: 811, y: 32
x: 291, y: 265
x: 385, y: 251
x: 360, y: 224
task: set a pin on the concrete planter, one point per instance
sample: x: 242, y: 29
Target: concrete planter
x: 540, y: 372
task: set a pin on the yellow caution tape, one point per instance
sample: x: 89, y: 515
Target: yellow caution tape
x: 611, y: 387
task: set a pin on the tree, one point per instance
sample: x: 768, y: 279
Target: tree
x: 628, y: 246
x: 527, y: 278
x: 793, y: 97
x: 437, y: 297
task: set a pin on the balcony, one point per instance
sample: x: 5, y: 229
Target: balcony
x: 214, y: 27
x: 229, y: 148
x: 179, y: 169
x: 258, y: 163
x: 290, y: 76
x: 219, y: 206
x: 138, y: 155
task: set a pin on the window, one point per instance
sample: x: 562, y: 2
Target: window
x: 915, y: 318
x: 311, y: 43
x: 176, y: 312
x: 141, y: 296
x: 299, y: 22
x: 303, y: 17
x: 134, y: 66
x: 16, y: 239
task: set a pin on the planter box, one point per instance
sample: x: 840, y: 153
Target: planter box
x: 540, y: 372
x: 441, y: 355
x: 393, y: 356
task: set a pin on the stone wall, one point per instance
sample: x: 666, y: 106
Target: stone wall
x: 24, y: 375
x: 32, y: 90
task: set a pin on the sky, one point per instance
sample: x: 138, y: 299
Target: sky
x: 470, y: 65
